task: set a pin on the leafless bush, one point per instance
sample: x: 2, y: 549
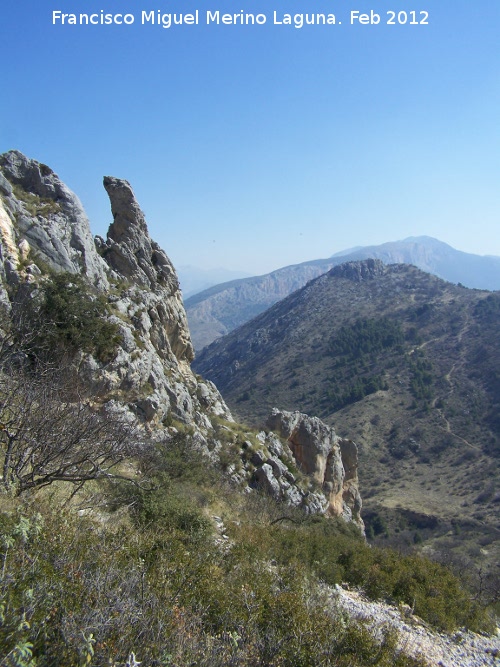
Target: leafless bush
x: 48, y: 433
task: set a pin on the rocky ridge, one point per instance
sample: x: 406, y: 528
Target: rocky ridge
x: 415, y: 638
x: 44, y: 230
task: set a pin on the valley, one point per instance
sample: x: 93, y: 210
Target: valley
x: 408, y: 365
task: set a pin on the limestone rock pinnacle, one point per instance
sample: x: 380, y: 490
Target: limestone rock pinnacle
x: 130, y: 250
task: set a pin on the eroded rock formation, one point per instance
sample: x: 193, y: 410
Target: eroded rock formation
x: 331, y: 461
x: 44, y: 228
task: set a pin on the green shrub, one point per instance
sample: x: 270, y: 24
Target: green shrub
x: 333, y: 554
x: 75, y: 318
x: 151, y: 578
x: 79, y: 591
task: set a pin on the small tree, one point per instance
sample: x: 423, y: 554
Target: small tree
x: 59, y: 317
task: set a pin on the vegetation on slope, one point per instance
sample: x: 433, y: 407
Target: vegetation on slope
x: 105, y: 565
x: 64, y: 315
x: 139, y: 568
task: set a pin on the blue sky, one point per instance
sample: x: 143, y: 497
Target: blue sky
x: 254, y: 147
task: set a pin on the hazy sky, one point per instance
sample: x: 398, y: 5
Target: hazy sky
x: 254, y: 147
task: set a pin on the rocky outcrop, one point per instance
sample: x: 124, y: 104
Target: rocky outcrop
x: 48, y: 219
x: 134, y: 256
x: 44, y: 230
x: 331, y: 461
x: 129, y: 249
x: 366, y: 269
x: 273, y: 462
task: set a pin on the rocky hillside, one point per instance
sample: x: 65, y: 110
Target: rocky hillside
x: 220, y: 309
x: 132, y: 530
x: 409, y: 366
x: 145, y: 374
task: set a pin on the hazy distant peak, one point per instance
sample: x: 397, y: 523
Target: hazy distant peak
x: 426, y: 240
x: 341, y: 253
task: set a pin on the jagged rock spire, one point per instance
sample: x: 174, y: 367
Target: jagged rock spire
x: 130, y: 250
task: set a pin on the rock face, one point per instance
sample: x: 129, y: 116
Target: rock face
x: 130, y: 251
x: 331, y: 461
x: 44, y: 227
x: 49, y: 217
x: 272, y: 460
x: 357, y: 271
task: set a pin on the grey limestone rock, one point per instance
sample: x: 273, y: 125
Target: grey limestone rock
x: 320, y: 453
x: 129, y: 248
x: 150, y: 374
x: 279, y: 468
x: 5, y: 186
x: 264, y: 476
x: 273, y: 476
x: 49, y: 217
x: 134, y: 256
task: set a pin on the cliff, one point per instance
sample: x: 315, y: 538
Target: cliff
x: 45, y: 229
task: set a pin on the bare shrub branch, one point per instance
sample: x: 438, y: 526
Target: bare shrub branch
x: 48, y: 433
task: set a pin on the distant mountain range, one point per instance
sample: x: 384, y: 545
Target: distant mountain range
x: 193, y: 279
x: 409, y: 366
x: 222, y: 308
